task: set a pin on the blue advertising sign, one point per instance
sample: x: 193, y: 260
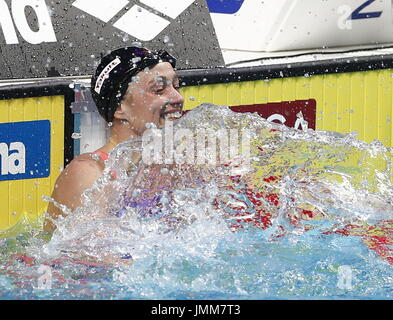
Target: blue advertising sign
x: 226, y: 7
x: 24, y: 150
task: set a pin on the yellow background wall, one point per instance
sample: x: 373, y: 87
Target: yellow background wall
x: 346, y: 102
x: 23, y: 198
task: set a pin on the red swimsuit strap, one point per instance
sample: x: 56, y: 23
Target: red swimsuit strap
x: 103, y: 155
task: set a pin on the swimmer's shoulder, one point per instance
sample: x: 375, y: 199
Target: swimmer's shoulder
x: 87, y: 166
x: 79, y: 175
x: 94, y: 159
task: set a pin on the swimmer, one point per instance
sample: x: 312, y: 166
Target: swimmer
x: 131, y: 87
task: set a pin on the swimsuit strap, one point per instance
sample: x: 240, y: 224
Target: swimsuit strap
x: 102, y: 154
x: 105, y: 156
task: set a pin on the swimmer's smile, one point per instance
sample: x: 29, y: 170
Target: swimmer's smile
x: 170, y: 114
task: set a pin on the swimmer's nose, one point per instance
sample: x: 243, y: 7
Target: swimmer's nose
x: 176, y: 99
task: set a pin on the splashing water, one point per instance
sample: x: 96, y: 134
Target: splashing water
x: 303, y: 214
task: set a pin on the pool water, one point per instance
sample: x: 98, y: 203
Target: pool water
x: 310, y: 217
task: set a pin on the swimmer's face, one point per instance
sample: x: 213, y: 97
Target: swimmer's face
x: 152, y: 97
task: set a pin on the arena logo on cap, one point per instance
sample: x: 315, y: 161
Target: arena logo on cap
x: 105, y: 74
x: 137, y: 15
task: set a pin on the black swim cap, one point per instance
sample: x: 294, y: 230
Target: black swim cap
x: 115, y: 72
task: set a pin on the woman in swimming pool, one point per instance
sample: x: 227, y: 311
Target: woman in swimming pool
x: 131, y: 87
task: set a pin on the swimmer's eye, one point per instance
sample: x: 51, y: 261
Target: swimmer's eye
x: 160, y: 90
x: 163, y: 84
x: 176, y: 84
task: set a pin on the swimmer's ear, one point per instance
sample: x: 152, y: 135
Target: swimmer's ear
x: 119, y: 113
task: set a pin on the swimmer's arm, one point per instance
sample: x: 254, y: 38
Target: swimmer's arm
x: 78, y: 176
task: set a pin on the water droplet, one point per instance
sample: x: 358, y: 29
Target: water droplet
x: 166, y: 39
x: 164, y: 171
x: 150, y: 125
x: 76, y: 135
